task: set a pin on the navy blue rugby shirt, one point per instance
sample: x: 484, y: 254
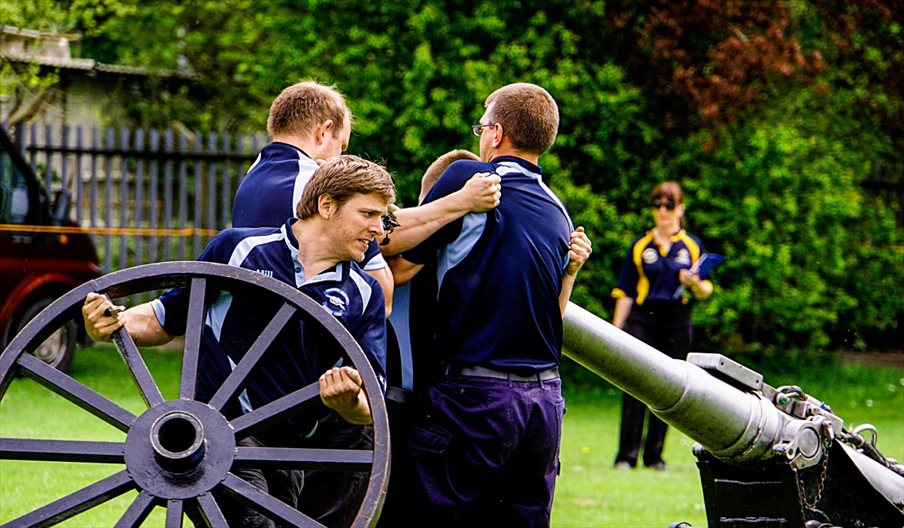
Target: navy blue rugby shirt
x: 304, y: 350
x: 650, y: 274
x: 273, y: 187
x: 499, y: 273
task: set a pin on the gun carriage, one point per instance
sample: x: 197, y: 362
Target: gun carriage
x: 767, y: 456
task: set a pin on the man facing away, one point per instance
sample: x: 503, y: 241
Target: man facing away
x: 310, y: 122
x: 485, y: 445
x: 339, y: 215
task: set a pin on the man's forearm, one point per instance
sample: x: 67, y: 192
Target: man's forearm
x: 359, y: 414
x: 418, y: 223
x: 143, y: 326
x: 565, y: 292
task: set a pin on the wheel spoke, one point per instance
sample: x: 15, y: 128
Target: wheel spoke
x: 295, y: 458
x: 75, y: 392
x: 235, y: 382
x: 75, y: 503
x: 137, y: 512
x: 150, y: 393
x: 266, y: 504
x: 193, y: 330
x: 61, y: 450
x: 211, y: 512
x: 174, y: 513
x: 277, y: 410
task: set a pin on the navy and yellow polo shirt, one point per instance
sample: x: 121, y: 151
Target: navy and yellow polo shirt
x: 650, y: 273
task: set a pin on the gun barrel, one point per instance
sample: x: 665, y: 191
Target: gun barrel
x: 729, y: 423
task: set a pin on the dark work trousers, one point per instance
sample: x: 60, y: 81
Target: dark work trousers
x: 333, y: 498
x: 487, y: 452
x: 403, y: 487
x: 667, y: 328
x: 285, y: 485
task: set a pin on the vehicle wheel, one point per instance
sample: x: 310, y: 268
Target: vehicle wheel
x: 58, y: 349
x: 182, y: 454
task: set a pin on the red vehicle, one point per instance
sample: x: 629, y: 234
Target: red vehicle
x: 42, y: 256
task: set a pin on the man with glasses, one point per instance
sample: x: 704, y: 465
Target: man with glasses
x: 485, y: 445
x: 308, y: 123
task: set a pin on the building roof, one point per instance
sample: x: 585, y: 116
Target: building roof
x: 52, y: 50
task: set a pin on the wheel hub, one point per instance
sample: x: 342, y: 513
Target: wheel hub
x: 179, y: 449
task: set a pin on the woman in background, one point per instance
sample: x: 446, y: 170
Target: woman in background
x: 655, y: 269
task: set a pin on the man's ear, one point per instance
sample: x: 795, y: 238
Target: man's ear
x: 323, y: 129
x: 326, y: 206
x: 498, y: 134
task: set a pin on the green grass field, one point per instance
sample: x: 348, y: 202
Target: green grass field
x: 589, y: 494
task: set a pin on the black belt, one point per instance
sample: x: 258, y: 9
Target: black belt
x: 397, y: 395
x: 477, y: 371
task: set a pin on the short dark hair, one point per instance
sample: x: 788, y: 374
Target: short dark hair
x: 303, y: 106
x: 341, y: 177
x: 528, y: 115
x: 438, y: 167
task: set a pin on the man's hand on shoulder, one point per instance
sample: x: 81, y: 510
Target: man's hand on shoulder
x: 579, y: 251
x: 482, y: 192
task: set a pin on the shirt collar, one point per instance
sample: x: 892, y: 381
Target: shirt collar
x: 335, y: 273
x: 279, y: 145
x: 522, y: 162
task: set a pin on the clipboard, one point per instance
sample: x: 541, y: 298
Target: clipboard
x: 703, y: 267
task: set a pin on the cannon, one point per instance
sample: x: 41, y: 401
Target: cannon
x: 767, y: 457
x: 178, y: 453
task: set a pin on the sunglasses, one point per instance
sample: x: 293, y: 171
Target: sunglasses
x: 669, y: 204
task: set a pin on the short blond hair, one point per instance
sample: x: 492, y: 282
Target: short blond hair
x: 299, y: 108
x: 341, y: 177
x: 528, y: 115
x: 438, y: 167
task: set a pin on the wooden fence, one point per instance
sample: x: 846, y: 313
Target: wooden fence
x: 151, y: 196
x: 143, y: 196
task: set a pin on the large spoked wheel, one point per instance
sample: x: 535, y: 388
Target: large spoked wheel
x: 179, y: 452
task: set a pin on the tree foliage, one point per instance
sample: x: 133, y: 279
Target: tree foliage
x: 771, y: 114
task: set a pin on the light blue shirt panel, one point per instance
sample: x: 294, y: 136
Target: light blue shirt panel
x: 454, y: 253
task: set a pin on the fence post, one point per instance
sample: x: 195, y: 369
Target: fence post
x: 226, y: 190
x: 79, y: 141
x: 64, y: 163
x: 153, y: 216
x: 109, y: 144
x: 123, y: 198
x: 210, y: 201
x: 48, y: 166
x: 183, y: 192
x: 167, y: 192
x: 199, y: 176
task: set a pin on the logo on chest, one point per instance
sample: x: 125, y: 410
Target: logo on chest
x: 650, y: 256
x: 683, y: 257
x: 336, y: 301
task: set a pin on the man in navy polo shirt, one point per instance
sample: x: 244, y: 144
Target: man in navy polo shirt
x: 339, y: 214
x: 308, y: 122
x: 486, y: 443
